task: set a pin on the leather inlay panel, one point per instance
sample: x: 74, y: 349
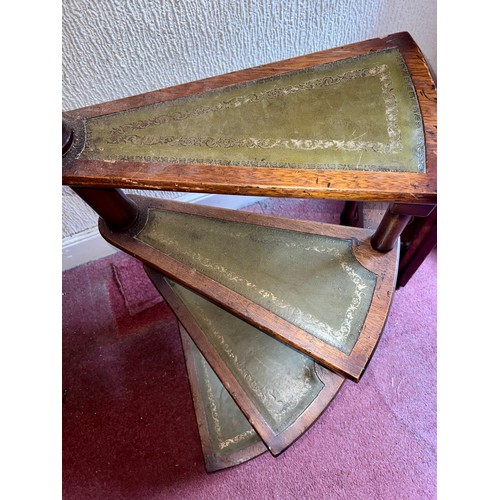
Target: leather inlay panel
x: 281, y: 382
x: 359, y: 113
x: 229, y: 430
x: 310, y: 280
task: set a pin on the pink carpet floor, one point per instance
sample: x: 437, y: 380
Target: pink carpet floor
x: 129, y: 429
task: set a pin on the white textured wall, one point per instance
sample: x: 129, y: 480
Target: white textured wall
x: 118, y: 48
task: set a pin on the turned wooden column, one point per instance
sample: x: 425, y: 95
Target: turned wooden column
x: 394, y: 222
x: 117, y: 210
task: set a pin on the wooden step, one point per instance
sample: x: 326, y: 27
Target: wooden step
x: 318, y: 287
x: 354, y: 123
x: 227, y: 438
x: 281, y: 391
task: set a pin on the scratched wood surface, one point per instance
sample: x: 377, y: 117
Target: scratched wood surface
x: 350, y: 365
x: 305, y: 388
x: 315, y: 183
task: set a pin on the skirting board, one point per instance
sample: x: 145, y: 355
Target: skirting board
x: 89, y: 245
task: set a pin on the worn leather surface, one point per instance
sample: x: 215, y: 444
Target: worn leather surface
x: 360, y: 113
x: 228, y: 429
x: 280, y: 381
x: 310, y: 280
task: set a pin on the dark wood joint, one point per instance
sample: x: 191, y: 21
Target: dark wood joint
x: 413, y: 209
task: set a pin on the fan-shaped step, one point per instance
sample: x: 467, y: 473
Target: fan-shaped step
x: 337, y: 123
x: 280, y: 390
x: 318, y: 287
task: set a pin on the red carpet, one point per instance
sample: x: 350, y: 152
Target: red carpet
x: 129, y: 430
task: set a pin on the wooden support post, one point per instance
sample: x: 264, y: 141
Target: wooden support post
x: 352, y: 214
x: 394, y: 222
x: 417, y: 241
x: 117, y: 210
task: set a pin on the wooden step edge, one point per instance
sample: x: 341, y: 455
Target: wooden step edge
x: 253, y: 181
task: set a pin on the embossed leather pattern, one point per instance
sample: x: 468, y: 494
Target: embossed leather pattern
x: 312, y: 281
x: 228, y: 430
x: 359, y: 113
x: 281, y: 382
